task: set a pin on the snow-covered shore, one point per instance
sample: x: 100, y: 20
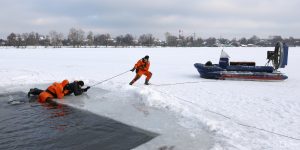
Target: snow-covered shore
x: 239, y: 114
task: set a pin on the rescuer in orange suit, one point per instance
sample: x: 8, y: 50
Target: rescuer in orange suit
x: 142, y: 67
x: 56, y: 90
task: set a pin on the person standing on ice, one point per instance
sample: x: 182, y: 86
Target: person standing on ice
x: 142, y: 67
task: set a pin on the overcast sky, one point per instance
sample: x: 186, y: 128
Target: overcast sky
x: 205, y: 18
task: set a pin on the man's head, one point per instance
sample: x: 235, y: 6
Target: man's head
x: 146, y: 58
x: 81, y: 83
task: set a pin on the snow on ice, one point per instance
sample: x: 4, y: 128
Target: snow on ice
x: 225, y: 114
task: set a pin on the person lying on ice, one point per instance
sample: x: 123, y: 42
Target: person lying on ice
x: 76, y: 88
x: 142, y: 67
x: 58, y: 90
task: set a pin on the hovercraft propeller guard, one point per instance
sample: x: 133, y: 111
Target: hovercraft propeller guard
x: 279, y: 56
x: 247, y: 70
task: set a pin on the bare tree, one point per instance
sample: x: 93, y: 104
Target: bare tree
x: 47, y: 41
x: 32, y: 39
x: 80, y: 37
x: 243, y: 41
x: 73, y: 36
x: 90, y: 39
x: 211, y: 42
x: 102, y: 40
x: 37, y: 37
x: 53, y: 39
x: 234, y: 42
x: 20, y: 41
x: 224, y: 41
x: 2, y: 42
x: 24, y: 39
x: 12, y: 39
x: 199, y: 42
x: 291, y: 41
x: 56, y: 39
x: 76, y: 37
x: 128, y: 40
x: 119, y: 40
x: 189, y: 41
x: 253, y: 40
x: 275, y: 39
x: 146, y: 40
x: 171, y: 39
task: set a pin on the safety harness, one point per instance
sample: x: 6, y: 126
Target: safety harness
x: 51, y: 93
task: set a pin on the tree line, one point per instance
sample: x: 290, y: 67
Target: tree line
x: 78, y: 38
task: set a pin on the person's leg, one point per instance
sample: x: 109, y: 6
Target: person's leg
x: 137, y: 76
x: 35, y: 92
x: 148, y: 75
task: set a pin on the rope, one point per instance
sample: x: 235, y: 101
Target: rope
x: 179, y: 83
x: 229, y: 118
x: 109, y: 78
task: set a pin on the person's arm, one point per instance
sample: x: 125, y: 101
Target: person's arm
x: 136, y: 66
x: 59, y: 91
x: 147, y: 66
x: 77, y: 90
x: 86, y: 89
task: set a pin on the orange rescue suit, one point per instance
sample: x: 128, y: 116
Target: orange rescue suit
x: 142, y: 68
x: 56, y: 90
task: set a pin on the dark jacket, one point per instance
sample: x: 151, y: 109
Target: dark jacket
x: 75, y: 88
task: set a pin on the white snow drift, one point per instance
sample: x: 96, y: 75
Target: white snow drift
x: 237, y: 114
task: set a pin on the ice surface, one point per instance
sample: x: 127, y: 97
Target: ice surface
x: 125, y: 104
x: 195, y: 107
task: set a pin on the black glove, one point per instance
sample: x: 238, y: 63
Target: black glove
x: 85, y: 90
x: 132, y: 69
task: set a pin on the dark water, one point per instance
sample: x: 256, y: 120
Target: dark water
x: 35, y: 126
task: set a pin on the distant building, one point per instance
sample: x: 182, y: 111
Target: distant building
x: 2, y: 42
x: 251, y: 45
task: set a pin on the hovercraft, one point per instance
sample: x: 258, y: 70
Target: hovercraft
x: 247, y: 70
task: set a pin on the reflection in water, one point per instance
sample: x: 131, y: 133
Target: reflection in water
x: 56, y: 112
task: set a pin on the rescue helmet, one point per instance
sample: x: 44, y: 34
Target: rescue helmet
x: 146, y: 57
x: 81, y: 83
